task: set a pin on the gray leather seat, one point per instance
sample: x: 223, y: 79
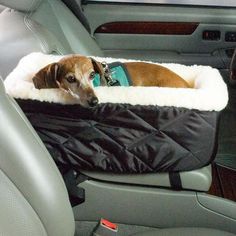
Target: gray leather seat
x: 33, y: 199
x: 41, y: 25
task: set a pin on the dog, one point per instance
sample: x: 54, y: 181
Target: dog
x: 74, y: 74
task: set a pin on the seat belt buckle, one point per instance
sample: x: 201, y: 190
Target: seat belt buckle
x: 105, y: 228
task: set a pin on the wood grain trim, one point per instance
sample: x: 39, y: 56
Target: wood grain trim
x: 136, y: 27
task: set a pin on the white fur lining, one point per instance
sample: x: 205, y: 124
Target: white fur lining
x: 209, y: 90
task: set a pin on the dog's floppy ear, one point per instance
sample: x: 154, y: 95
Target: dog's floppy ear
x: 100, y: 70
x: 47, y: 77
x: 97, y: 66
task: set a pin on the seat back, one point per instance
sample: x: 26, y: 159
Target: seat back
x: 42, y: 25
x: 34, y: 199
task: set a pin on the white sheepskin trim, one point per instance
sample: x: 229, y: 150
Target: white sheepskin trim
x: 209, y: 91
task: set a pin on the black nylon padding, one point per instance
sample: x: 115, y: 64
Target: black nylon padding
x: 122, y: 138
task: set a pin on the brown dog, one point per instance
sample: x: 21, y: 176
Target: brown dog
x: 74, y: 74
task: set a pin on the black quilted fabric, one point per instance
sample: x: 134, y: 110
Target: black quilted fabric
x: 123, y: 138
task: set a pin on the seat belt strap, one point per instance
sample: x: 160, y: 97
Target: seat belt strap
x: 175, y: 180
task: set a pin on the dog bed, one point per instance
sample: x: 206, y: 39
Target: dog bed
x: 133, y: 129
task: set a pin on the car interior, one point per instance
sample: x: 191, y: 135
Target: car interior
x: 37, y: 200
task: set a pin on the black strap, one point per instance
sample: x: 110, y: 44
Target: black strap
x: 175, y: 180
x: 76, y: 193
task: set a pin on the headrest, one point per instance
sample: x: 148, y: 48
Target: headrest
x: 21, y: 5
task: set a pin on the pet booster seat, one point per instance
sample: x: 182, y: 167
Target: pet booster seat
x: 134, y: 131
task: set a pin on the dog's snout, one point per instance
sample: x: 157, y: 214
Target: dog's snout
x: 93, y: 102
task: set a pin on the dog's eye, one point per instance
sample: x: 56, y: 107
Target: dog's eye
x: 71, y: 79
x: 92, y: 75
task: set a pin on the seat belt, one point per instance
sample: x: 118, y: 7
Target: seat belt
x: 76, y: 7
x: 175, y: 181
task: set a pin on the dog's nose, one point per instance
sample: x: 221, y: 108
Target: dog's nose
x: 93, y: 102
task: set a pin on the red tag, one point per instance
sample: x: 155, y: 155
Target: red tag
x: 108, y: 224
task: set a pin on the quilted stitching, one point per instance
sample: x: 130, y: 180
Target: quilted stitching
x: 126, y: 139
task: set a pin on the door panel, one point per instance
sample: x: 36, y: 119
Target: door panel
x: 155, y: 32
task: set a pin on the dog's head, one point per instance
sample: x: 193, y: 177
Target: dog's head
x: 73, y: 74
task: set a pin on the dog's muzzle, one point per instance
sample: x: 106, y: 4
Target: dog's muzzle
x: 93, y: 102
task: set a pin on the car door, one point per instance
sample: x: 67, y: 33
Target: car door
x: 165, y: 31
